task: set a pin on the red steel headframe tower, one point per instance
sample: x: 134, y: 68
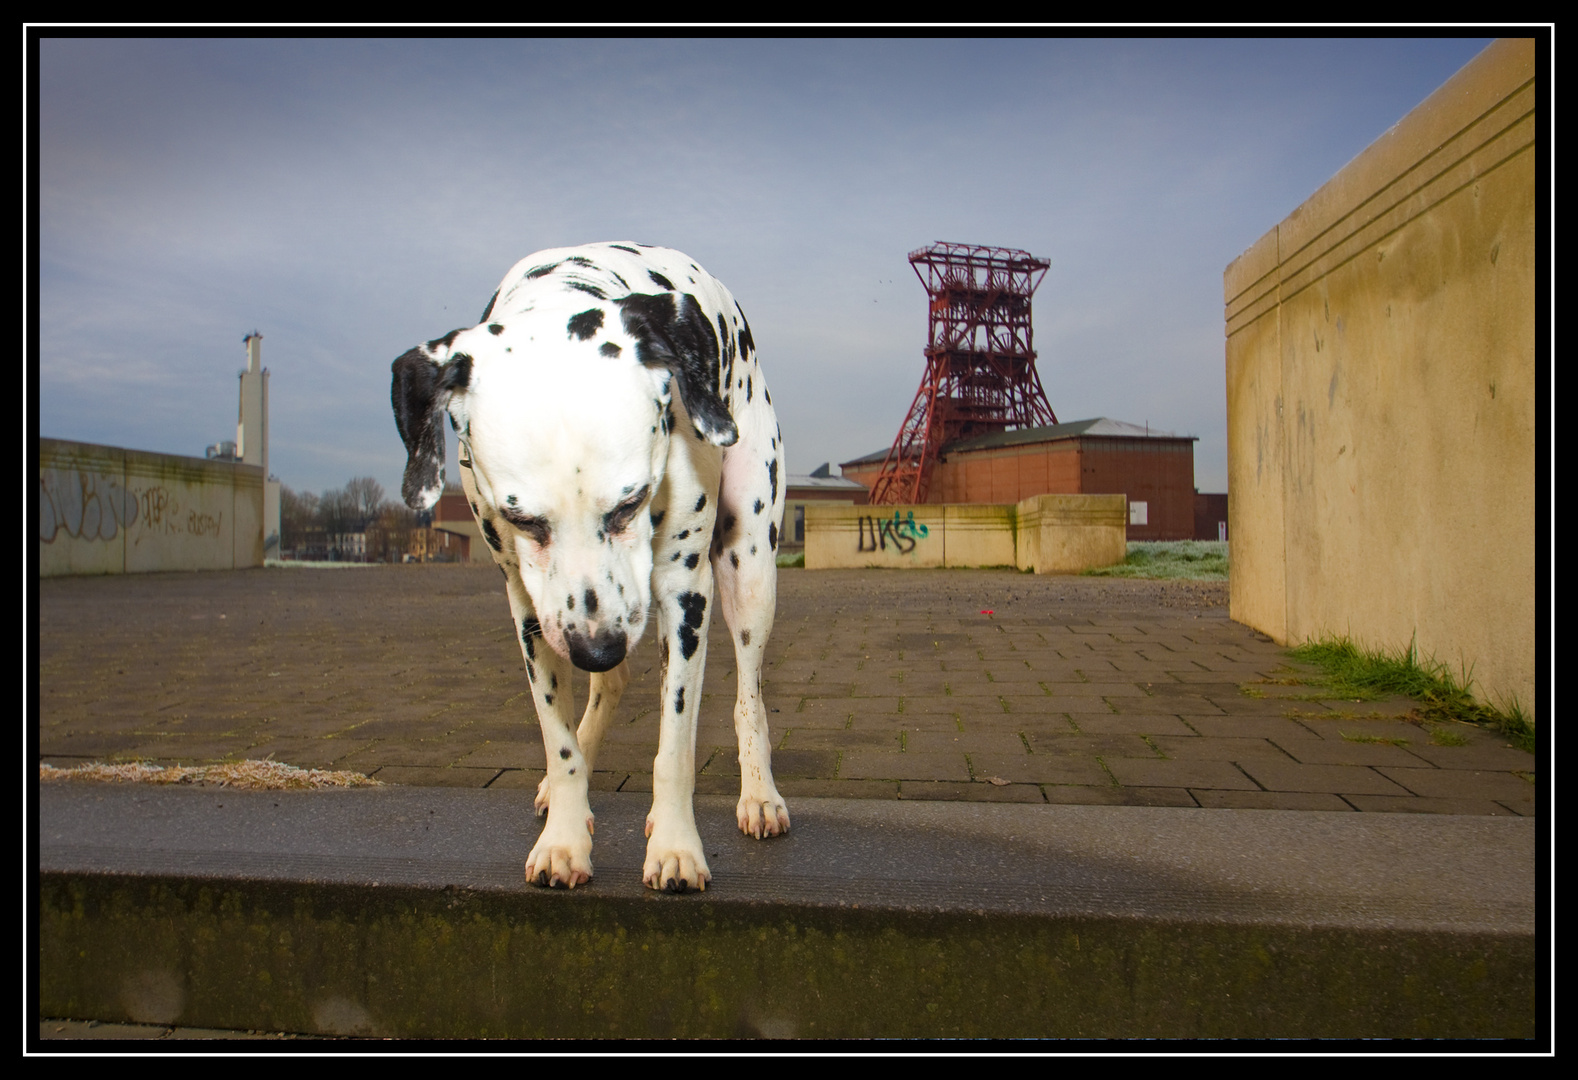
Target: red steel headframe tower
x: 980, y: 369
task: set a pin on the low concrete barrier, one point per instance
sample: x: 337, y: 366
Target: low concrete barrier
x: 1065, y: 534
x: 402, y: 912
x: 1047, y: 534
x: 105, y: 510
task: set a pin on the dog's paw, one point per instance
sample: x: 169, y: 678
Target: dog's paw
x: 562, y: 857
x: 762, y: 813
x: 675, y: 862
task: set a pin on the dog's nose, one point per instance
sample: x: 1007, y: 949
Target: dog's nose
x: 601, y: 652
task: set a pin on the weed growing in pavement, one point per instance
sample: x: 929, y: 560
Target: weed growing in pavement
x: 1366, y: 675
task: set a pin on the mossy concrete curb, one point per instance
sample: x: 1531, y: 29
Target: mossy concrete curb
x: 402, y: 912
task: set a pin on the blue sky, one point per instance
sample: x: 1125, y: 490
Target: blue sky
x: 350, y: 198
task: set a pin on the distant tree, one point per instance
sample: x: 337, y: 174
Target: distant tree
x: 298, y: 516
x: 336, y: 513
x: 389, y: 536
x: 366, y: 499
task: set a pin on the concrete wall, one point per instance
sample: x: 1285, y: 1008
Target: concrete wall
x: 1380, y: 391
x: 902, y: 537
x: 104, y: 510
x: 1050, y: 534
x: 1065, y: 534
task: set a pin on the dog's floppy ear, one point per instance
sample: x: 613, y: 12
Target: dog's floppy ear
x: 424, y: 379
x: 680, y: 339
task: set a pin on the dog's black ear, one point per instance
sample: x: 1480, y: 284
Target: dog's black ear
x: 680, y: 339
x: 420, y: 392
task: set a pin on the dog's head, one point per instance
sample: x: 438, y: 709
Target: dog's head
x: 564, y: 416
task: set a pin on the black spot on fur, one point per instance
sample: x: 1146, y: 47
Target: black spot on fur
x: 728, y: 524
x: 491, y: 535
x: 590, y: 600
x: 694, y: 605
x: 679, y: 338
x: 621, y: 247
x: 564, y: 752
x: 540, y: 271
x: 675, y: 557
x: 692, y: 559
x: 679, y: 701
x: 572, y: 772
x: 489, y: 309
x: 531, y: 673
x: 610, y: 349
x: 457, y: 373
x: 747, y: 388
x: 757, y: 509
x: 580, y: 260
x: 495, y: 328
x: 772, y: 475
x: 443, y: 343
x: 548, y: 698
x: 684, y: 535
x: 734, y: 557
x: 701, y: 502
x: 747, y: 343
x: 587, y: 323
x: 553, y: 681
x: 660, y: 280
x: 772, y: 536
x: 745, y: 637
x: 657, y: 518
x: 569, y: 603
x: 587, y: 287
x: 529, y: 628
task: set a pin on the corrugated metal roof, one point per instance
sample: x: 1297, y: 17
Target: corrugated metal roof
x: 835, y: 483
x: 1100, y: 425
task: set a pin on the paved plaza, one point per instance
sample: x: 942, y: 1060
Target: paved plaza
x: 972, y: 685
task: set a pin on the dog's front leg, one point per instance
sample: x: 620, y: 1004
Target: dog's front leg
x: 675, y: 861
x: 563, y: 853
x: 602, y: 699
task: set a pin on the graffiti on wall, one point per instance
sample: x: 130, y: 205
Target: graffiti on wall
x: 86, y: 505
x: 902, y: 533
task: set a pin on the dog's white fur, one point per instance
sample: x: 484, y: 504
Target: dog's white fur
x: 621, y: 454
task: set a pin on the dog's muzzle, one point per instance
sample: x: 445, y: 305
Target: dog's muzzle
x: 601, y: 652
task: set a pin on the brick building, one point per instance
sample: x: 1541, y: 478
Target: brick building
x: 1155, y: 469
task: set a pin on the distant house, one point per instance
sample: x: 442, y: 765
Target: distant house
x: 454, y: 529
x: 820, y: 486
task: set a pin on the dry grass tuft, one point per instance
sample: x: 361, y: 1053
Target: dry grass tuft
x: 254, y: 775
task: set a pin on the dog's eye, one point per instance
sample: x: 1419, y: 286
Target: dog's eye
x: 534, y: 527
x: 620, y: 516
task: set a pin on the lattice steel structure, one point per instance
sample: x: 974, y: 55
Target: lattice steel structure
x: 980, y: 367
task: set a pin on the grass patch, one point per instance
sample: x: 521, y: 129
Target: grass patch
x: 1360, y: 675
x: 797, y: 559
x: 1350, y: 737
x: 1189, y: 560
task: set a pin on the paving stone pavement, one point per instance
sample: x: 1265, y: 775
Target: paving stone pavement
x: 882, y: 684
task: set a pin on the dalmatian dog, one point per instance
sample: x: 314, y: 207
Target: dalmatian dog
x: 621, y: 454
